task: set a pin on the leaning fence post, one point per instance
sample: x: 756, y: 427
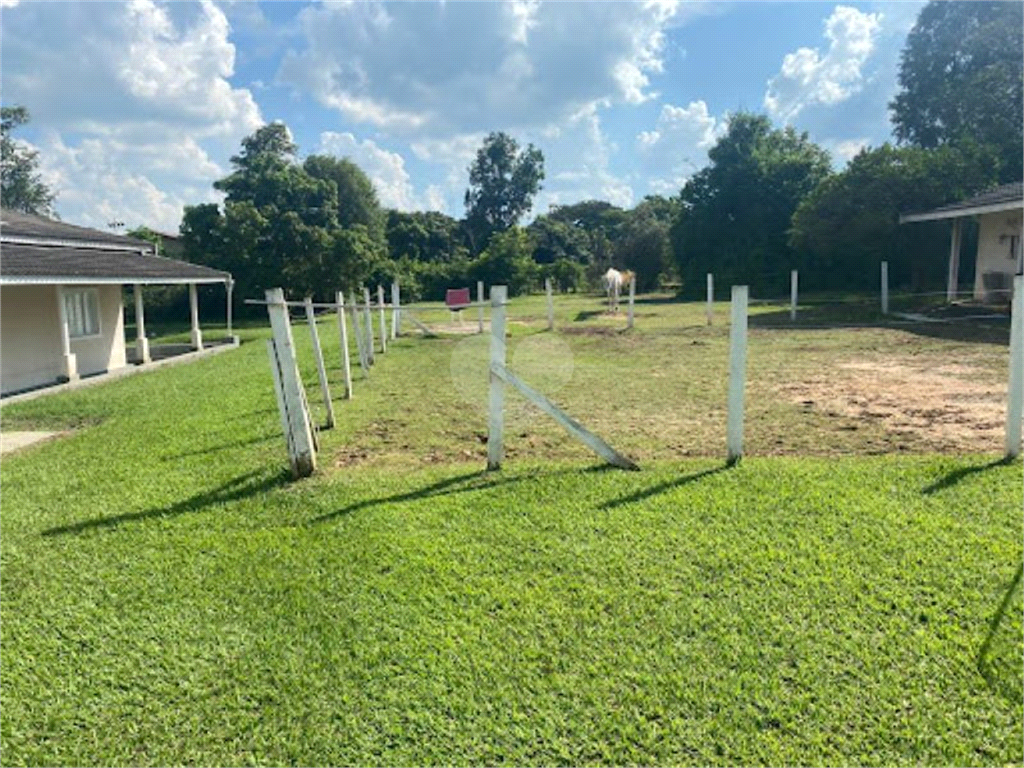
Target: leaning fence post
x: 711, y: 298
x: 499, y: 294
x: 480, y: 304
x: 303, y: 460
x: 368, y: 318
x: 383, y: 320
x: 395, y: 294
x: 346, y: 364
x: 319, y: 357
x: 737, y: 371
x: 794, y: 281
x: 632, y: 298
x: 1015, y: 396
x: 885, y: 287
x: 551, y: 304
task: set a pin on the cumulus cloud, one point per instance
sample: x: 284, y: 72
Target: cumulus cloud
x: 807, y: 77
x: 678, y: 145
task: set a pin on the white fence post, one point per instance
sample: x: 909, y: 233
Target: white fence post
x: 360, y: 337
x: 480, y: 304
x: 632, y: 298
x: 368, y: 319
x: 551, y: 304
x: 320, y: 367
x: 282, y: 409
x: 885, y: 287
x: 383, y: 320
x: 737, y: 371
x: 1015, y: 396
x: 499, y: 294
x: 395, y: 302
x: 303, y: 459
x: 346, y: 364
x: 794, y: 282
x: 711, y: 297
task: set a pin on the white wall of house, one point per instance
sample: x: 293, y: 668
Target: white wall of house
x: 30, y: 342
x: 999, y: 251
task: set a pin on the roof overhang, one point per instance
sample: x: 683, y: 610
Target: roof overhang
x: 89, y: 244
x: 960, y: 213
x: 63, y: 280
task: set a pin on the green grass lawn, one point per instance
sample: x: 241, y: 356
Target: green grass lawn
x: 170, y: 596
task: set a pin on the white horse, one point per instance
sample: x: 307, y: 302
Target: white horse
x: 612, y: 285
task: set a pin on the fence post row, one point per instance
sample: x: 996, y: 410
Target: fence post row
x: 318, y: 355
x: 346, y: 364
x: 794, y: 282
x: 300, y: 433
x: 1015, y: 395
x: 395, y: 303
x: 737, y: 372
x: 632, y: 298
x: 383, y: 320
x: 360, y: 338
x: 711, y: 298
x: 368, y: 319
x: 496, y: 427
x: 885, y: 287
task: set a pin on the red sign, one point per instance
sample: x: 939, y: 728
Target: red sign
x: 457, y: 298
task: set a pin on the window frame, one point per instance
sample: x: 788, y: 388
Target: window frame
x: 72, y: 295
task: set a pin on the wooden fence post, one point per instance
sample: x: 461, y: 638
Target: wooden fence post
x: 711, y: 298
x: 794, y: 282
x: 1015, y: 396
x: 383, y: 320
x: 480, y: 304
x: 321, y: 369
x: 551, y: 304
x: 368, y: 319
x: 346, y: 364
x: 885, y: 287
x: 357, y: 331
x: 303, y: 459
x: 499, y: 294
x: 737, y: 372
x: 395, y: 303
x: 632, y: 298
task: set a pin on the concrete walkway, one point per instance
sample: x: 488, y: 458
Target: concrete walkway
x: 15, y: 441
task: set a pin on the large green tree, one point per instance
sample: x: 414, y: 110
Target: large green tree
x: 21, y: 187
x: 962, y: 79
x: 642, y: 242
x: 735, y: 212
x: 502, y: 182
x: 425, y: 236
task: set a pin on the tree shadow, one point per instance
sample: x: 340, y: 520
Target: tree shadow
x: 478, y: 480
x: 241, y: 487
x: 1003, y: 675
x: 668, y: 485
x: 957, y: 475
x: 584, y: 315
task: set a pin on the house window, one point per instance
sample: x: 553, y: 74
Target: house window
x: 82, y: 309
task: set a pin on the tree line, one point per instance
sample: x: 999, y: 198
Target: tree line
x: 766, y: 202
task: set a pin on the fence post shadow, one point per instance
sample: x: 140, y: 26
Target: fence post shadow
x: 1009, y: 688
x: 957, y: 475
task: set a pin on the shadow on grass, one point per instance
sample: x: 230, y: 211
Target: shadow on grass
x: 1002, y: 671
x: 585, y: 315
x: 241, y: 487
x: 668, y: 485
x: 218, y: 448
x: 957, y: 475
x: 459, y: 484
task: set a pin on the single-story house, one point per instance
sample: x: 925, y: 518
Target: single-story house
x: 1000, y: 216
x: 61, y: 299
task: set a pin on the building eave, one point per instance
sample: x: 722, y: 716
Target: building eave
x: 961, y: 213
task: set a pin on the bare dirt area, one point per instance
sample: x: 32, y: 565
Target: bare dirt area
x: 950, y: 407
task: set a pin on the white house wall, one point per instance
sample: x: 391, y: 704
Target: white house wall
x: 994, y: 233
x: 30, y: 350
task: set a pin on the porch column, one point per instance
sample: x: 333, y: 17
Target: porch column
x: 69, y: 359
x: 954, y: 262
x: 193, y: 306
x: 230, y: 287
x: 141, y: 342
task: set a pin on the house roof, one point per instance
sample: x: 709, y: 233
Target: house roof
x: 1008, y: 197
x: 36, y: 250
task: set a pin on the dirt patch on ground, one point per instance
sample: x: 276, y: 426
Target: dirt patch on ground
x: 950, y: 407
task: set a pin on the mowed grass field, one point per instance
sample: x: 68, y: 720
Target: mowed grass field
x: 848, y: 594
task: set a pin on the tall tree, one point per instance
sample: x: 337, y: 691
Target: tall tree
x: 642, y: 241
x: 21, y: 187
x: 357, y: 198
x: 502, y: 183
x: 962, y: 78
x: 735, y: 212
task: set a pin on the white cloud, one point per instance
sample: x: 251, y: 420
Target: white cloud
x: 846, y: 149
x: 678, y: 145
x: 807, y: 77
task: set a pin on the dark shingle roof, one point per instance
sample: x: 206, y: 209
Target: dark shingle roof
x: 1004, y: 196
x: 17, y: 224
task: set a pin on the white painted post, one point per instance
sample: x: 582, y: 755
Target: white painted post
x: 551, y: 304
x: 141, y: 342
x: 321, y: 369
x: 480, y: 304
x: 360, y: 338
x: 395, y: 303
x: 69, y: 358
x: 193, y: 306
x: 230, y: 288
x: 632, y: 298
x: 737, y: 371
x: 1015, y: 396
x: 499, y: 294
x: 885, y: 287
x: 304, y: 459
x: 383, y: 320
x: 953, y: 279
x: 711, y: 298
x: 282, y: 409
x: 346, y: 364
x: 793, y: 287
x: 368, y: 319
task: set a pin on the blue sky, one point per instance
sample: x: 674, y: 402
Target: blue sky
x: 138, y: 106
